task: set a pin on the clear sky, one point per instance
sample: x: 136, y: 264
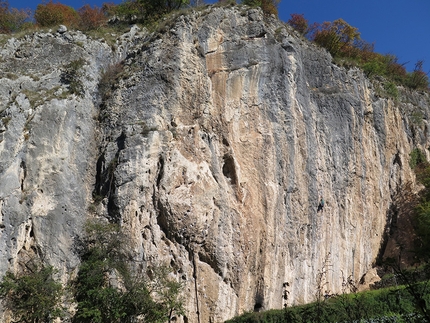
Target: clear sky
x: 398, y: 27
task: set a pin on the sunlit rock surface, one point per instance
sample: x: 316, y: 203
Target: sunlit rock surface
x: 212, y: 150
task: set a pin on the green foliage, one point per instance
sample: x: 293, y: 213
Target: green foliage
x: 33, y: 297
x: 107, y: 291
x: 12, y: 19
x: 52, y: 14
x: 343, y: 42
x: 421, y: 166
x: 337, y: 36
x: 416, y: 157
x: 269, y: 7
x: 391, y: 90
x: 71, y: 76
x: 109, y: 78
x: 384, y: 305
x: 252, y: 3
x: 146, y: 11
x: 418, y: 79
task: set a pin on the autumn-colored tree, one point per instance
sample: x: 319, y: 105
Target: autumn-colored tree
x: 270, y: 7
x: 336, y: 36
x: 12, y: 19
x: 51, y: 14
x: 299, y: 23
x: 91, y: 17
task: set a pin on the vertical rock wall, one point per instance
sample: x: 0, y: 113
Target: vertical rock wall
x: 212, y: 153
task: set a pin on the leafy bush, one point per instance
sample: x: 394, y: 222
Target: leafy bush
x: 252, y: 3
x: 345, y: 45
x: 417, y: 157
x: 418, y: 79
x: 91, y: 18
x: 144, y: 10
x: 71, y: 76
x: 12, y: 19
x: 336, y: 36
x: 109, y: 78
x: 391, y: 90
x: 52, y: 14
x: 269, y: 7
x: 107, y: 291
x: 33, y: 297
x: 299, y: 23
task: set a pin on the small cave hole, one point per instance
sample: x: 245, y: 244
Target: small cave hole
x: 229, y: 169
x: 258, y: 307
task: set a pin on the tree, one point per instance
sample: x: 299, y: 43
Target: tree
x: 12, y: 19
x: 335, y: 36
x: 299, y: 23
x: 33, y: 297
x: 51, y: 14
x: 107, y: 291
x: 91, y: 17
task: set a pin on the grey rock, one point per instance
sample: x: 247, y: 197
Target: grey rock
x: 62, y: 29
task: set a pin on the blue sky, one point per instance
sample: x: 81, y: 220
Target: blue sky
x: 398, y: 27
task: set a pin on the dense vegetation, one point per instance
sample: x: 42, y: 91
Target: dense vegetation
x: 104, y: 290
x: 345, y: 45
x: 394, y: 304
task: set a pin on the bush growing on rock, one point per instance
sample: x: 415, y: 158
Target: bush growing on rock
x: 33, y: 296
x: 71, y: 76
x: 268, y: 6
x: 337, y: 36
x: 106, y: 290
x: 91, y: 17
x: 52, y: 14
x: 299, y: 23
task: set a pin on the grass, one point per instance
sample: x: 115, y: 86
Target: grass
x: 393, y: 304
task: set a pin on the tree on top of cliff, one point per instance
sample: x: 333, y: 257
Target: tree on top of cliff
x: 12, y: 19
x: 106, y: 290
x: 299, y: 23
x: 335, y: 36
x: 51, y: 14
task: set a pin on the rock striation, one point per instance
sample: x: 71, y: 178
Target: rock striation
x: 211, y: 147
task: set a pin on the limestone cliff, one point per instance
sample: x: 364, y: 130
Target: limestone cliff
x: 211, y: 150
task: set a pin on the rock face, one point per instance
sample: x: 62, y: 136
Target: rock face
x: 211, y: 149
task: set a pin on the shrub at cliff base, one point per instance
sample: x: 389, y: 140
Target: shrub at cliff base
x: 52, y: 14
x: 107, y: 291
x: 33, y: 296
